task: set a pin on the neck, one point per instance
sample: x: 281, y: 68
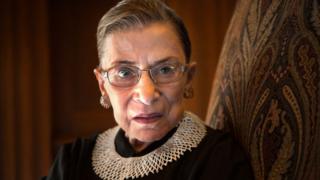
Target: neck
x: 137, y: 145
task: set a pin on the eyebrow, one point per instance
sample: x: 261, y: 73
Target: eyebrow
x: 164, y: 60
x: 123, y: 62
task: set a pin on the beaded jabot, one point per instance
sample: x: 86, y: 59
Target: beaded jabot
x: 108, y: 164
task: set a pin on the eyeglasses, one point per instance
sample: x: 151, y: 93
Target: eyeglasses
x: 124, y: 75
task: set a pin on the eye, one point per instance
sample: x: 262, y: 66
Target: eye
x: 125, y: 72
x: 166, y: 69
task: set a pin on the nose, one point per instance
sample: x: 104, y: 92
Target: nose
x: 145, y: 90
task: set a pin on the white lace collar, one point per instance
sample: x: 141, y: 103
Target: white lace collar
x: 108, y: 164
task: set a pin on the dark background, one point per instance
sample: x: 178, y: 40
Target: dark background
x: 48, y: 92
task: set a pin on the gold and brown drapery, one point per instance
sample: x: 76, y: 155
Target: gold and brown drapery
x: 267, y: 87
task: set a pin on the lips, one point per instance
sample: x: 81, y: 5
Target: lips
x: 147, y: 118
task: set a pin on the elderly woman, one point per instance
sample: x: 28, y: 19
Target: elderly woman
x: 144, y: 75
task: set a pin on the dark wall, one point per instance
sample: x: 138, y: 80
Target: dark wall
x: 75, y: 93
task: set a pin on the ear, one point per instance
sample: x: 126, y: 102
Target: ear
x: 191, y: 72
x: 100, y: 80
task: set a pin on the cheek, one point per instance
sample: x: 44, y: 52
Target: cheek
x: 119, y: 100
x: 117, y: 96
x: 174, y: 107
x: 174, y: 96
x: 177, y: 95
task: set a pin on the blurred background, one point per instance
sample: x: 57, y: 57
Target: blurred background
x: 48, y: 92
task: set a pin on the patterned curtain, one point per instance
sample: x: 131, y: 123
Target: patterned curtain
x: 267, y: 87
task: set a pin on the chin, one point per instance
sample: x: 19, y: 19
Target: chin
x: 150, y: 137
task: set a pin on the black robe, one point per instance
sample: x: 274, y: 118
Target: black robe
x: 217, y: 156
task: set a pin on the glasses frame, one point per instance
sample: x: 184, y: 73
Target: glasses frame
x: 105, y: 74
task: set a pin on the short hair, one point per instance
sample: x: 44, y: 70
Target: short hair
x: 132, y: 13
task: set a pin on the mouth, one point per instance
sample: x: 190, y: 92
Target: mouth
x: 147, y: 118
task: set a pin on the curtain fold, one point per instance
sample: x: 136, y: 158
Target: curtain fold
x: 24, y: 94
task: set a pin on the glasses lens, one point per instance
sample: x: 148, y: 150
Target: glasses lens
x: 123, y: 75
x: 167, y: 72
x: 126, y: 75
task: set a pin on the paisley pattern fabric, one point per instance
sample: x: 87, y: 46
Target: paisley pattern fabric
x: 267, y: 87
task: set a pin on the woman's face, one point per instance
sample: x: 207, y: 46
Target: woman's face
x: 146, y: 111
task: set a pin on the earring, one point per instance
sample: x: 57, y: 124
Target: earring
x: 104, y: 103
x: 188, y: 93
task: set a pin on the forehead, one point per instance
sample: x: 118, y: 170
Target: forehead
x: 143, y: 45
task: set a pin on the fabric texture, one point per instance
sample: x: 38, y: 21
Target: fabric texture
x: 267, y: 86
x: 217, y: 156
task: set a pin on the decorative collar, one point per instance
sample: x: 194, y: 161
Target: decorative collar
x: 108, y: 164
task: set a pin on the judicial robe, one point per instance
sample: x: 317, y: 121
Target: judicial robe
x: 218, y: 156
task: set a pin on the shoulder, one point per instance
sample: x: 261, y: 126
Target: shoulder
x: 220, y: 153
x: 220, y: 144
x: 71, y: 158
x: 79, y: 145
x: 79, y: 148
x: 218, y: 138
x: 217, y: 141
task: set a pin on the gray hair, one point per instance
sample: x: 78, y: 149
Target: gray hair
x: 132, y: 13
